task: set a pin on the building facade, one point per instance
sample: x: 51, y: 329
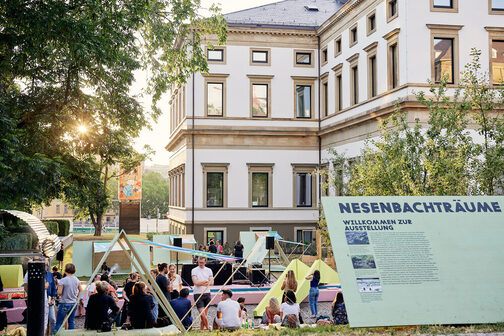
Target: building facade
x: 296, y: 78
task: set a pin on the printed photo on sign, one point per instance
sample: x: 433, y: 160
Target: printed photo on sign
x: 357, y: 238
x: 369, y: 285
x: 363, y: 262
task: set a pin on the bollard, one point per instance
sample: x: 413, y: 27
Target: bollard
x: 36, y: 298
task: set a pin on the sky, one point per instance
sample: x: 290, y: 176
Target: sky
x: 157, y: 137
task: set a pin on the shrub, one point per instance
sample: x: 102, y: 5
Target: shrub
x: 52, y: 226
x: 63, y: 227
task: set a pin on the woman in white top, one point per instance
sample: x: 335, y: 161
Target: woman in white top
x: 175, y: 282
x: 91, y: 289
x: 289, y: 311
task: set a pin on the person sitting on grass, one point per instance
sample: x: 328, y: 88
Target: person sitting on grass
x: 272, y: 312
x: 243, y: 310
x: 228, y: 313
x: 181, y: 306
x: 97, y: 312
x: 339, y: 313
x: 289, y: 311
x: 140, y: 307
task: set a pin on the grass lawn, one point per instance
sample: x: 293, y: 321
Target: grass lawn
x: 345, y: 330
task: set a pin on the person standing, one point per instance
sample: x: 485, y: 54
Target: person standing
x: 314, y: 292
x: 228, y: 313
x: 202, y: 278
x: 162, y: 280
x: 175, y: 282
x: 59, y: 257
x: 68, y: 290
x: 238, y: 250
x: 219, y: 247
x: 212, y: 248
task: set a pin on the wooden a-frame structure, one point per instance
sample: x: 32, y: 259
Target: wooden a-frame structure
x: 123, y: 241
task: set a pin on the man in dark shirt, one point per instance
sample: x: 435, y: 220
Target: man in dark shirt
x: 181, y: 306
x: 127, y: 292
x: 212, y: 248
x: 98, y: 307
x: 56, y: 274
x: 164, y: 284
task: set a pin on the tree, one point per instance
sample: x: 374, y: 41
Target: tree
x: 66, y: 67
x: 155, y: 194
x: 410, y: 160
x: 485, y: 101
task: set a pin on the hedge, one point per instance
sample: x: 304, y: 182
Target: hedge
x: 16, y: 241
x: 62, y: 228
x: 51, y: 226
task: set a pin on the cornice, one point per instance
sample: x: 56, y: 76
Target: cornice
x: 271, y: 31
x: 342, y: 12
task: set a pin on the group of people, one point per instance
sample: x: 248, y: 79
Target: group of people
x: 141, y: 309
x: 216, y: 247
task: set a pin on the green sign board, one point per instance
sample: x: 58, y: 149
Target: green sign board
x: 419, y: 260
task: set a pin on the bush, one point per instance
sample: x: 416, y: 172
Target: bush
x: 63, y: 227
x: 52, y: 226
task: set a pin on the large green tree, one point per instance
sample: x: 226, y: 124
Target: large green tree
x: 155, y: 194
x: 66, y: 68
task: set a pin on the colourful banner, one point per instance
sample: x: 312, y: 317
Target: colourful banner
x: 130, y: 185
x: 186, y: 250
x: 419, y: 260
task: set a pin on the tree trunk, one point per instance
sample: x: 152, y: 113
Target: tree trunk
x: 97, y: 224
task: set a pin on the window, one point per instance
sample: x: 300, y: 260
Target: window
x: 215, y: 95
x: 337, y: 46
x: 354, y: 78
x: 216, y: 55
x: 260, y: 56
x: 260, y: 94
x: 444, y: 53
x: 443, y: 59
x: 215, y: 182
x: 325, y: 95
x: 303, y: 96
x: 372, y: 69
x: 394, y: 66
x: 303, y: 58
x: 304, y: 236
x: 215, y: 99
x: 450, y: 6
x: 324, y: 55
x: 303, y: 101
x: 259, y: 100
x: 442, y: 3
x: 355, y: 84
x: 338, y: 97
x: 497, y: 62
x: 215, y: 235
x: 496, y: 6
x: 304, y: 186
x: 353, y: 35
x: 260, y: 189
x: 58, y: 208
x: 215, y: 190
x: 392, y: 58
x: 392, y: 10
x: 371, y: 23
x: 65, y: 208
x: 260, y: 185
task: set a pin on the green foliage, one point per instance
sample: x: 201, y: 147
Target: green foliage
x: 63, y: 227
x: 410, y: 160
x: 485, y: 101
x: 64, y: 64
x: 51, y: 226
x: 155, y: 194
